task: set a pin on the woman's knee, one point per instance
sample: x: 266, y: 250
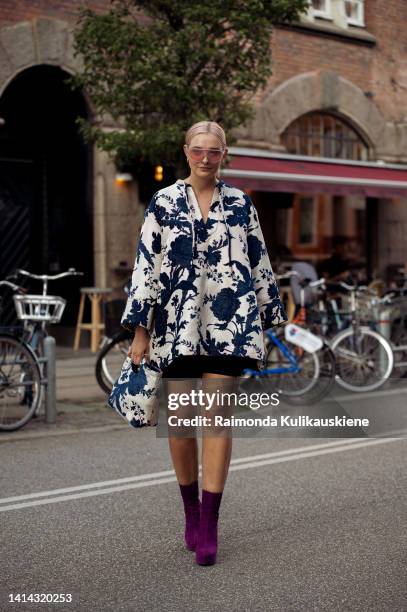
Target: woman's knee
x: 220, y: 401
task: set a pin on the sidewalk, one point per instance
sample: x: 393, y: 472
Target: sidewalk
x: 71, y: 419
x: 81, y: 404
x: 75, y: 372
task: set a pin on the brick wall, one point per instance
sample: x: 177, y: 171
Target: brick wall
x: 381, y: 69
x: 13, y: 11
x: 387, y: 21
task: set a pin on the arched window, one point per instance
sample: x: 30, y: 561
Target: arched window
x: 324, y: 135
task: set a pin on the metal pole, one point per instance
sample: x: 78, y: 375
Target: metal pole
x: 50, y: 394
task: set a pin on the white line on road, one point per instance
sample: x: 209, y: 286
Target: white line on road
x: 357, y: 397
x: 163, y: 477
x: 162, y: 474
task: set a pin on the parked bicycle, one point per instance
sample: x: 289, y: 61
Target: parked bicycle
x: 364, y: 357
x: 115, y: 344
x: 22, y: 363
x: 300, y: 364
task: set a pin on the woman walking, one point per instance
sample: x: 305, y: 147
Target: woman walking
x: 203, y: 287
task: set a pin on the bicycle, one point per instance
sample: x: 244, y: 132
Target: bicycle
x: 303, y: 372
x: 114, y: 348
x: 22, y: 363
x: 364, y: 357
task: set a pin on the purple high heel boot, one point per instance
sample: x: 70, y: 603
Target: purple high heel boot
x: 190, y: 497
x: 207, y: 542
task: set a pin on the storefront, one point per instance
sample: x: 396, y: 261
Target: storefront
x: 310, y: 205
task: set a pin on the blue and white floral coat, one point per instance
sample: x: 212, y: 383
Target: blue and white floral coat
x: 202, y: 288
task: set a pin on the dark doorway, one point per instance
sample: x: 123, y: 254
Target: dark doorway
x: 45, y: 183
x: 273, y: 208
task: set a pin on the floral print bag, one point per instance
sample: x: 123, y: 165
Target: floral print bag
x: 134, y: 395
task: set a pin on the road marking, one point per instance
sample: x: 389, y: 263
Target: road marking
x: 315, y: 453
x: 157, y: 478
x: 353, y: 397
x: 162, y: 474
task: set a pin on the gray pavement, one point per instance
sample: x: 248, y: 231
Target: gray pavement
x: 75, y: 372
x: 305, y: 524
x: 91, y: 507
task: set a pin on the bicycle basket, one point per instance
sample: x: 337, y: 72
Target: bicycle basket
x: 39, y: 307
x: 113, y: 312
x: 365, y: 308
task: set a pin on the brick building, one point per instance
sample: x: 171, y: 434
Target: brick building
x: 325, y: 157
x: 334, y: 122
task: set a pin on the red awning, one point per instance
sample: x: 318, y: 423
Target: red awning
x: 270, y: 172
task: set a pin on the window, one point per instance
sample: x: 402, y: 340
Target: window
x: 307, y: 221
x: 324, y: 135
x: 354, y: 11
x: 321, y: 8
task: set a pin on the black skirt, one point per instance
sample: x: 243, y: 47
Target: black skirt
x: 193, y: 366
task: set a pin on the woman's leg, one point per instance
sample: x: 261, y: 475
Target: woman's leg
x: 216, y: 446
x: 184, y: 454
x: 183, y: 450
x: 216, y: 454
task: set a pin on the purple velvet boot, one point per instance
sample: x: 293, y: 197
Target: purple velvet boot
x: 190, y: 497
x: 207, y: 542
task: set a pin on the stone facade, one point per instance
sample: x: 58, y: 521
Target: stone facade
x: 321, y: 68
x: 359, y: 73
x: 116, y: 210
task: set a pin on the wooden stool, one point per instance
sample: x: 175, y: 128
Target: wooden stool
x: 96, y: 296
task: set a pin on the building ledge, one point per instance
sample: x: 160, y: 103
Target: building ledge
x: 353, y: 34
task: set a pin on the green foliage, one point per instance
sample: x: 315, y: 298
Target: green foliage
x: 157, y: 66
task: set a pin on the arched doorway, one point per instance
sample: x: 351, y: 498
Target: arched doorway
x: 45, y: 182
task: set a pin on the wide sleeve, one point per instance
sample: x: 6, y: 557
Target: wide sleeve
x: 272, y: 311
x: 144, y: 288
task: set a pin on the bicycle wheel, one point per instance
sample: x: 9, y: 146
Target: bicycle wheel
x: 315, y: 377
x: 364, y: 359
x: 110, y: 360
x: 398, y: 339
x: 20, y: 383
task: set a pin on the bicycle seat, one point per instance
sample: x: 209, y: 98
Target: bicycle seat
x: 306, y: 273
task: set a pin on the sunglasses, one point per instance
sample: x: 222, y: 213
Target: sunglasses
x: 197, y: 154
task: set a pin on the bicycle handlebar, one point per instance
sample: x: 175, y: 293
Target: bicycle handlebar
x: 16, y: 288
x: 346, y: 286
x: 288, y: 274
x: 318, y: 283
x: 47, y: 277
x: 361, y: 288
x: 43, y: 277
x: 386, y: 299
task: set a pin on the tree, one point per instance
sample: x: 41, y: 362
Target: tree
x: 157, y: 66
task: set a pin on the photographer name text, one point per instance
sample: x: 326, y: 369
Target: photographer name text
x: 267, y: 421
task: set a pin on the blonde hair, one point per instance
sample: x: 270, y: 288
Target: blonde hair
x: 206, y: 127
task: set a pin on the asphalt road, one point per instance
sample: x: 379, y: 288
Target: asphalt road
x: 305, y: 524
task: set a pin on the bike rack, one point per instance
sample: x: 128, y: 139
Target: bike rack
x: 49, y: 381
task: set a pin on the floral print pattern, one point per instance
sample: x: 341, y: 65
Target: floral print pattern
x: 202, y: 288
x: 134, y: 394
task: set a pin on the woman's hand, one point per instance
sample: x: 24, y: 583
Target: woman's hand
x: 140, y: 345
